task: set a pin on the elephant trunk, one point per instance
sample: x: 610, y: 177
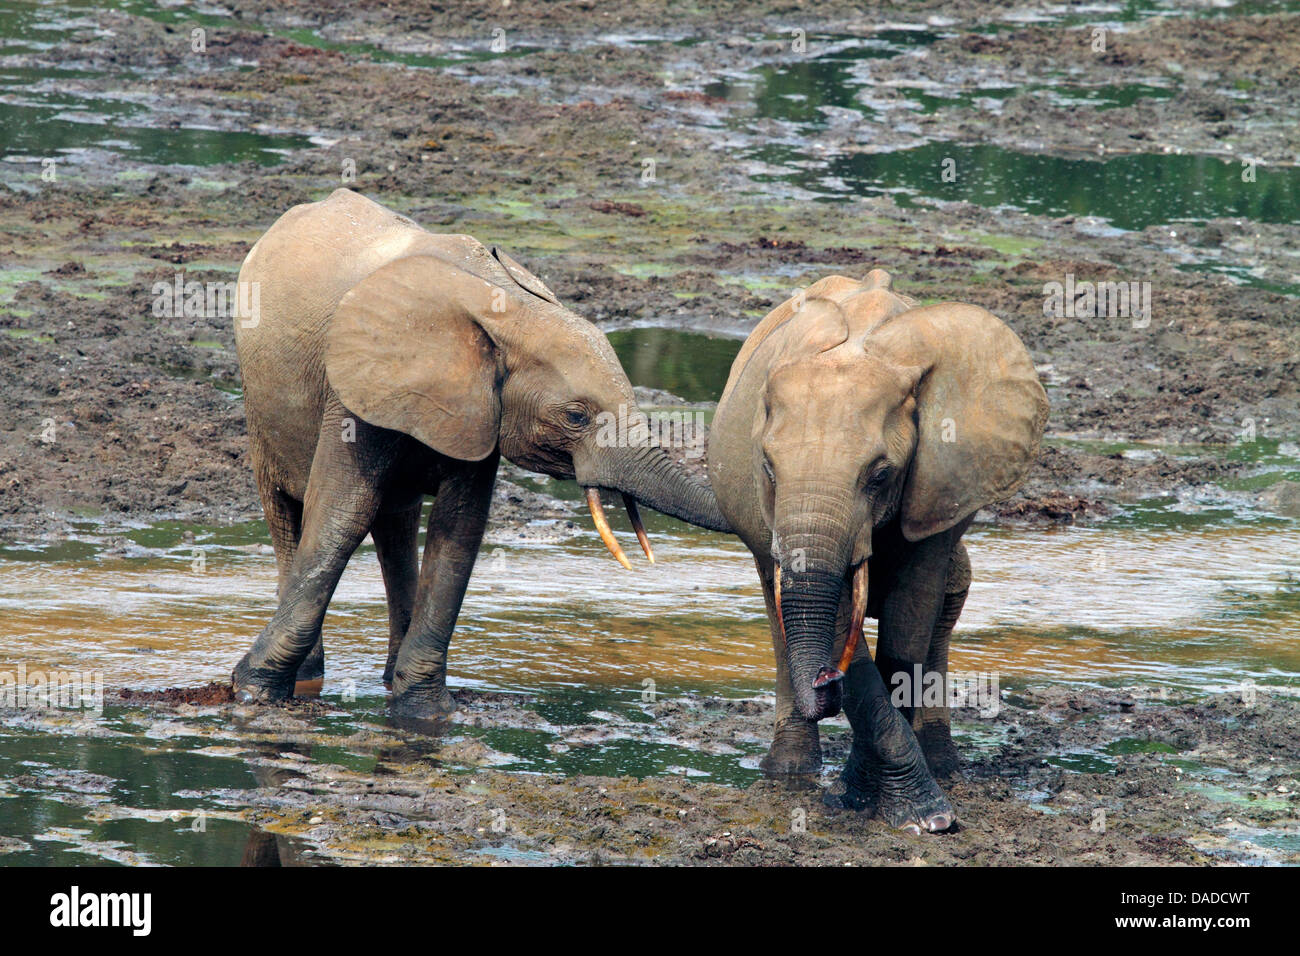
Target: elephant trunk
x: 809, y: 604
x: 812, y: 552
x: 648, y: 475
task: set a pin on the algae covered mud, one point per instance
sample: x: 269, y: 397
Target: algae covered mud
x: 1138, y: 604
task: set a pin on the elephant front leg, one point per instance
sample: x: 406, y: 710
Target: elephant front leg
x: 917, y: 613
x: 284, y: 520
x: 887, y: 770
x: 397, y: 548
x: 455, y: 530
x: 886, y: 773
x: 796, y: 745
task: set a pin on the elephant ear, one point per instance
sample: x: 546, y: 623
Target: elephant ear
x: 830, y: 288
x: 524, y: 278
x: 980, y: 411
x: 403, y: 352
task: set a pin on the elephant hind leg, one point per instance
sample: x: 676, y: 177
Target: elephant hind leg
x: 396, y: 538
x: 933, y: 725
x: 284, y: 520
x: 343, y: 495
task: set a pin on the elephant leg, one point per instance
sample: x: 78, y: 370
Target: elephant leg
x: 796, y: 745
x: 284, y: 520
x: 887, y: 770
x: 451, y: 544
x: 933, y: 724
x: 343, y: 495
x: 397, y: 546
x: 917, y: 616
x: 864, y: 794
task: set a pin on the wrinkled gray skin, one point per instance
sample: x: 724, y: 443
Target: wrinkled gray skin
x: 385, y: 364
x: 857, y: 436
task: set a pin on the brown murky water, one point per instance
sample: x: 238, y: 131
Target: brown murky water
x: 1205, y: 608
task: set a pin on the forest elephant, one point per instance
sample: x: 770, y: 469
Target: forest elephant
x: 384, y: 363
x: 857, y: 436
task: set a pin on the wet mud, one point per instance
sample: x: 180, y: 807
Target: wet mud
x: 1127, y: 776
x: 543, y: 152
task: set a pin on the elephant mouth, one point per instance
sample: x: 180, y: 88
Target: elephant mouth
x: 597, y: 510
x: 827, y: 697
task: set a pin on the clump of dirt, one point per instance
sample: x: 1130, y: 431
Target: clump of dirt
x: 618, y: 208
x: 1053, y: 508
x: 215, y: 692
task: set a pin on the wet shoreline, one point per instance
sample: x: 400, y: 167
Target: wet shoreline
x: 1078, y: 776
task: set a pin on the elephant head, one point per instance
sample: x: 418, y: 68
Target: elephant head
x: 875, y: 410
x: 470, y: 357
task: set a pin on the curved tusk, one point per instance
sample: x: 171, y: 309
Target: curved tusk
x: 635, y: 517
x: 857, y: 614
x: 602, y: 526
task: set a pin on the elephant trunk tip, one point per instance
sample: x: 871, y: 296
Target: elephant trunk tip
x: 819, y: 701
x: 827, y: 676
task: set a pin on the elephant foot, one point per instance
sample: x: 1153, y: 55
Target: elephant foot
x: 259, y: 685
x: 887, y: 772
x: 858, y: 787
x: 310, y: 679
x: 913, y: 803
x: 796, y: 750
x: 422, y: 704
x: 940, y: 753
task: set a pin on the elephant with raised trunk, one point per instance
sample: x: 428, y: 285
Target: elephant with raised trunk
x: 383, y: 364
x: 857, y: 436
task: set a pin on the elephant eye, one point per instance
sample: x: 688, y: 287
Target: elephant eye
x: 577, y: 417
x: 878, y: 477
x: 767, y: 470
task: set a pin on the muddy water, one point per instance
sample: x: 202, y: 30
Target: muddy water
x: 1131, y: 192
x: 74, y: 800
x: 690, y: 365
x: 1205, y: 608
x: 55, y: 111
x: 66, y: 112
x: 581, y: 640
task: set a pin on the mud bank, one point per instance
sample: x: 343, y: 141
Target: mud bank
x: 114, y: 410
x: 1128, y: 776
